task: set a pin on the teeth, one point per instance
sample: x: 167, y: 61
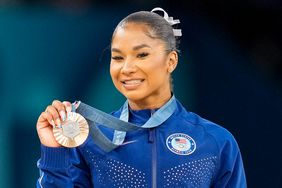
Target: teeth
x: 132, y: 81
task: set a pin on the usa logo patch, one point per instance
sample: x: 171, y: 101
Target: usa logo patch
x: 181, y: 144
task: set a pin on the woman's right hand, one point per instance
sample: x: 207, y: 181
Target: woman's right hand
x: 54, y: 115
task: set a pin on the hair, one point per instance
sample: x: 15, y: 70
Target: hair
x: 158, y: 28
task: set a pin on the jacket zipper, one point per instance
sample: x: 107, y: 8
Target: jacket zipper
x: 154, y: 161
x: 152, y: 139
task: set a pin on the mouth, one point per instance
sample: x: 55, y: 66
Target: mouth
x: 132, y: 83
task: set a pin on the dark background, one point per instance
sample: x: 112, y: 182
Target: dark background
x: 230, y: 72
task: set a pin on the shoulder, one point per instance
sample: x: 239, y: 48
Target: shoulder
x: 220, y: 134
x: 214, y: 139
x: 216, y: 132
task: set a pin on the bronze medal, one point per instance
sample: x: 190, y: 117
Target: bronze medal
x: 74, y: 131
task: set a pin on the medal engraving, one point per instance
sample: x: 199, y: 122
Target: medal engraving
x: 70, y: 129
x: 74, y: 131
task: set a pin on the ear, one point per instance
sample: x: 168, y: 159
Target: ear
x: 172, y: 61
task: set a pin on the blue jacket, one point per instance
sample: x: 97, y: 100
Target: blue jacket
x: 185, y: 151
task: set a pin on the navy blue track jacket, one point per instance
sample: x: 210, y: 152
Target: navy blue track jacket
x: 185, y: 151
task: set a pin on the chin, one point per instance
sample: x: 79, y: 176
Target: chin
x: 134, y: 95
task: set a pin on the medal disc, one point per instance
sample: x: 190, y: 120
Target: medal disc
x: 74, y: 131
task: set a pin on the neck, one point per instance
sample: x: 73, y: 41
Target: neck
x: 150, y: 102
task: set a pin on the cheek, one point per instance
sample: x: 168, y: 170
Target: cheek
x: 158, y: 68
x: 114, y: 71
x: 157, y: 72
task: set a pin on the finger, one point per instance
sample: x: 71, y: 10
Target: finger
x: 68, y: 106
x: 49, y: 118
x: 55, y: 114
x: 45, y: 116
x: 60, y: 108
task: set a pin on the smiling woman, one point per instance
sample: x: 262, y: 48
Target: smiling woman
x: 168, y: 147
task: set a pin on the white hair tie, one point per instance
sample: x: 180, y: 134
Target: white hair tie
x: 170, y: 20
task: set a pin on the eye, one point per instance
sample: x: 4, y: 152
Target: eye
x: 117, y: 58
x: 142, y: 55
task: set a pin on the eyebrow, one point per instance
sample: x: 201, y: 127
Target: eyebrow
x: 141, y: 46
x: 135, y: 48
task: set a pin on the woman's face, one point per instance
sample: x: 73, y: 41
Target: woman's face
x: 140, y: 65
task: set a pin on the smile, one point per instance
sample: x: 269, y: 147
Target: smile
x: 132, y: 84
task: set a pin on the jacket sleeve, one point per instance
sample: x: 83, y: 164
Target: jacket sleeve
x: 62, y: 167
x: 231, y: 172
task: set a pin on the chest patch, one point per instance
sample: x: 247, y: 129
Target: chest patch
x: 181, y: 144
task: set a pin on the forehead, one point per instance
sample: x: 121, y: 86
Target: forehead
x: 132, y: 34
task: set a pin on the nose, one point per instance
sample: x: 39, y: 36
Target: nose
x: 128, y: 67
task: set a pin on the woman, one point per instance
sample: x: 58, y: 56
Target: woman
x: 184, y: 150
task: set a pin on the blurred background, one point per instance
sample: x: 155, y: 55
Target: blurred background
x: 230, y: 72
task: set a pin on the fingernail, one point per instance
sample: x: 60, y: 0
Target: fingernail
x: 58, y: 122
x: 53, y: 123
x: 68, y: 109
x: 63, y: 115
x: 68, y: 112
x: 76, y: 104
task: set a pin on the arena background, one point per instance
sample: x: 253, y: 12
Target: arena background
x: 229, y: 72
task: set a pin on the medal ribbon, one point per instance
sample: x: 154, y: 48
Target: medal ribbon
x: 121, y: 126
